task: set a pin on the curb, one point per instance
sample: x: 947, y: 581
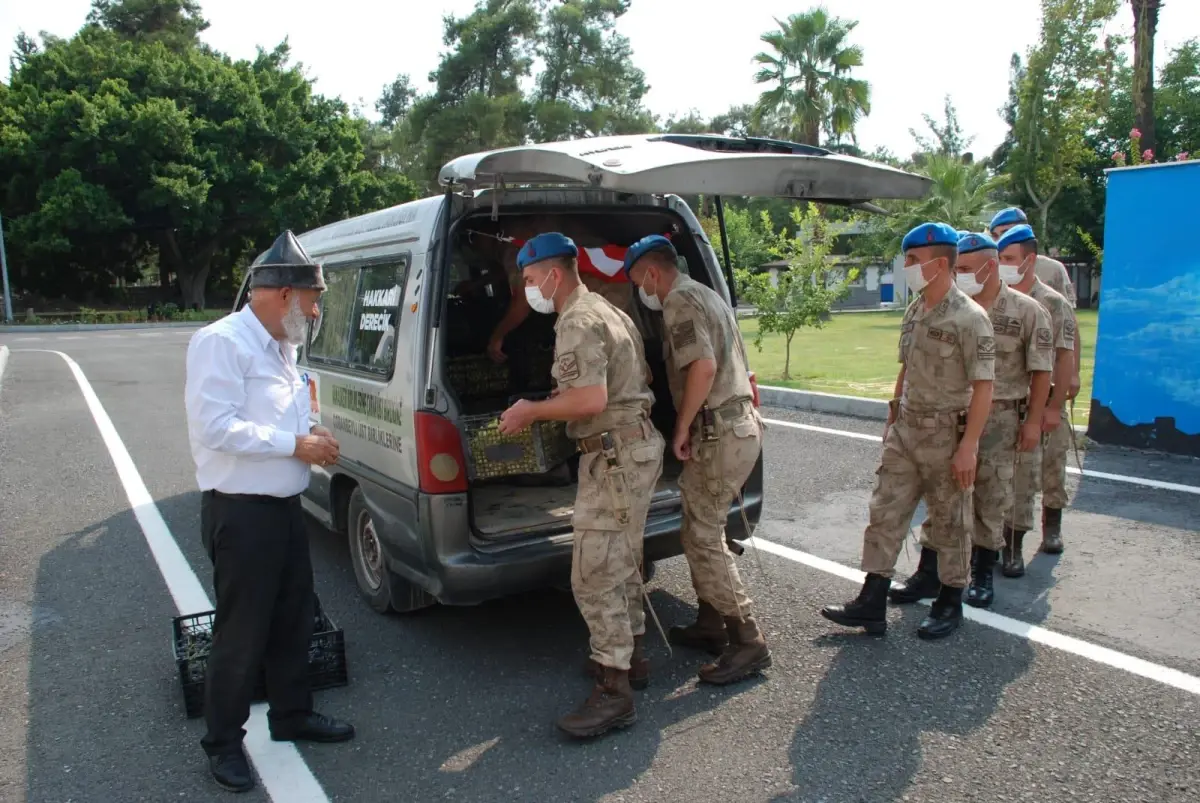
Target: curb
x: 99, y: 327
x: 811, y: 401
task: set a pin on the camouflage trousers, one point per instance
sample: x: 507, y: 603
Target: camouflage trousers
x: 916, y: 463
x: 611, y: 506
x: 708, y: 484
x: 993, y: 478
x: 1044, y: 467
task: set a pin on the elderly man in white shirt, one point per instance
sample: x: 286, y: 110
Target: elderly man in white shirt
x: 248, y: 424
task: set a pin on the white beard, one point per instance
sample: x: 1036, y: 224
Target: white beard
x: 295, y: 323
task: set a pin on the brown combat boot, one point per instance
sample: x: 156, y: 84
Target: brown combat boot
x: 706, y: 633
x: 1052, y: 530
x: 609, y: 706
x: 746, y: 655
x: 639, y: 667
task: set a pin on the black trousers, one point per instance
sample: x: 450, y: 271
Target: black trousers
x: 262, y: 574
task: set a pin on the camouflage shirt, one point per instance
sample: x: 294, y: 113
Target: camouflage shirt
x: 1054, y: 274
x: 944, y: 350
x: 1023, y: 343
x: 597, y: 344
x: 700, y: 326
x: 1062, y: 317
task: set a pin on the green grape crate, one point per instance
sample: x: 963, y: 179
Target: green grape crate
x: 476, y: 376
x: 534, y: 450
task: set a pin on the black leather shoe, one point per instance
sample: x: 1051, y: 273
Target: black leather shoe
x: 868, y: 610
x: 1052, y: 543
x: 945, y: 615
x: 231, y: 771
x: 1013, y: 560
x: 923, y: 584
x: 980, y: 592
x: 313, y: 728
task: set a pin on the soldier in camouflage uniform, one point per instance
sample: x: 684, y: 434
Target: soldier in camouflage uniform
x: 1018, y: 250
x: 1023, y: 360
x: 603, y: 395
x: 718, y: 437
x: 931, y: 444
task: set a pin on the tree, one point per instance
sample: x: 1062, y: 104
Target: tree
x: 116, y: 149
x: 175, y: 23
x: 1145, y: 26
x: 395, y: 101
x: 806, y: 291
x: 809, y: 68
x: 1063, y: 91
x: 589, y: 85
x: 751, y: 237
x: 948, y: 138
x: 690, y: 123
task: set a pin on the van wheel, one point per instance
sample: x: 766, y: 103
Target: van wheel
x: 381, y: 587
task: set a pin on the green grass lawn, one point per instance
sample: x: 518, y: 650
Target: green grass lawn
x: 855, y: 354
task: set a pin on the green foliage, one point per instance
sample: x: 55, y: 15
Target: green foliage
x: 948, y: 138
x: 750, y: 237
x: 809, y: 67
x: 806, y: 291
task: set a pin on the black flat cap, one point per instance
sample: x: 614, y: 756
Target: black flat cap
x: 287, y: 264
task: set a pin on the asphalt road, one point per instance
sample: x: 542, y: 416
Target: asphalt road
x: 458, y: 703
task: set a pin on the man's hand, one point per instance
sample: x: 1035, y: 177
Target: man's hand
x: 495, y: 350
x: 963, y: 464
x: 1027, y: 439
x: 517, y: 417
x: 323, y: 432
x: 682, y: 444
x: 1073, y: 388
x: 1051, y: 419
x: 317, y: 450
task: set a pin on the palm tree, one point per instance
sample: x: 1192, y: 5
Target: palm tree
x: 809, y: 67
x: 1145, y: 25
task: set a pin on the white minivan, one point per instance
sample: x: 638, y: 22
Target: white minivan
x: 397, y: 367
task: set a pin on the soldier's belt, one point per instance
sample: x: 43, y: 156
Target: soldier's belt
x: 929, y: 420
x: 633, y: 432
x: 729, y: 411
x: 1007, y: 404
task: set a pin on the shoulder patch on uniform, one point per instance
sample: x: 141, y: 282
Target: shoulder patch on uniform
x: 1069, y: 326
x: 1043, y: 339
x: 986, y: 348
x: 683, y: 334
x: 568, y: 367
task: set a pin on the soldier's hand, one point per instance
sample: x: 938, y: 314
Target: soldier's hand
x: 963, y: 464
x: 517, y: 417
x: 682, y: 445
x: 1051, y: 420
x: 1073, y: 388
x: 495, y: 350
x: 1027, y: 440
x: 316, y: 450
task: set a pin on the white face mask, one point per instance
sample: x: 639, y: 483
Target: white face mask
x: 915, y: 278
x: 537, y: 301
x: 968, y: 283
x: 1012, y: 274
x: 650, y: 299
x: 295, y: 322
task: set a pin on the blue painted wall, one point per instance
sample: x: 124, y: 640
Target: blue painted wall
x: 1147, y: 378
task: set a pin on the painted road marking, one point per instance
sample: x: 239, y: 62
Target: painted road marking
x: 1087, y: 472
x: 3, y: 363
x: 285, y: 776
x: 1014, y: 627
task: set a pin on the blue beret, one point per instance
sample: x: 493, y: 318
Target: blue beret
x: 930, y: 234
x: 969, y: 242
x: 1006, y: 217
x: 653, y: 242
x: 1017, y: 234
x: 546, y: 246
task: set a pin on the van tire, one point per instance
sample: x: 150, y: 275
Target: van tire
x: 383, y: 590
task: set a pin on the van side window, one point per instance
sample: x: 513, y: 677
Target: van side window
x: 376, y: 315
x: 329, y: 340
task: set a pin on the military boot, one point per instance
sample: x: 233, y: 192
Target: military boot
x: 609, y: 706
x: 979, y: 592
x: 639, y: 667
x: 923, y: 584
x: 1052, y: 530
x: 1013, y: 560
x: 746, y: 655
x: 944, y: 615
x: 868, y: 611
x: 706, y: 633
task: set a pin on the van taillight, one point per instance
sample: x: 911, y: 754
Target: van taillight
x: 754, y: 388
x: 440, y: 462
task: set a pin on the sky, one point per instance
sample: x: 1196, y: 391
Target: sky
x: 697, y: 54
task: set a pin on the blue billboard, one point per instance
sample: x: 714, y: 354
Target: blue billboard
x: 1146, y: 390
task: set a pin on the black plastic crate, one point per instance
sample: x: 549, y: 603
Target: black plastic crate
x: 192, y: 640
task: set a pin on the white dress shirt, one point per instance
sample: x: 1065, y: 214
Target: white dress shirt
x: 246, y: 403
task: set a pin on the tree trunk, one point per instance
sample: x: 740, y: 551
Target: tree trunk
x: 191, y: 283
x: 1145, y: 26
x: 191, y: 270
x: 787, y: 355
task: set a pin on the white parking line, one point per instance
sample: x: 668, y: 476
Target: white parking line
x: 1087, y: 472
x: 1015, y: 627
x: 3, y: 363
x: 285, y: 776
